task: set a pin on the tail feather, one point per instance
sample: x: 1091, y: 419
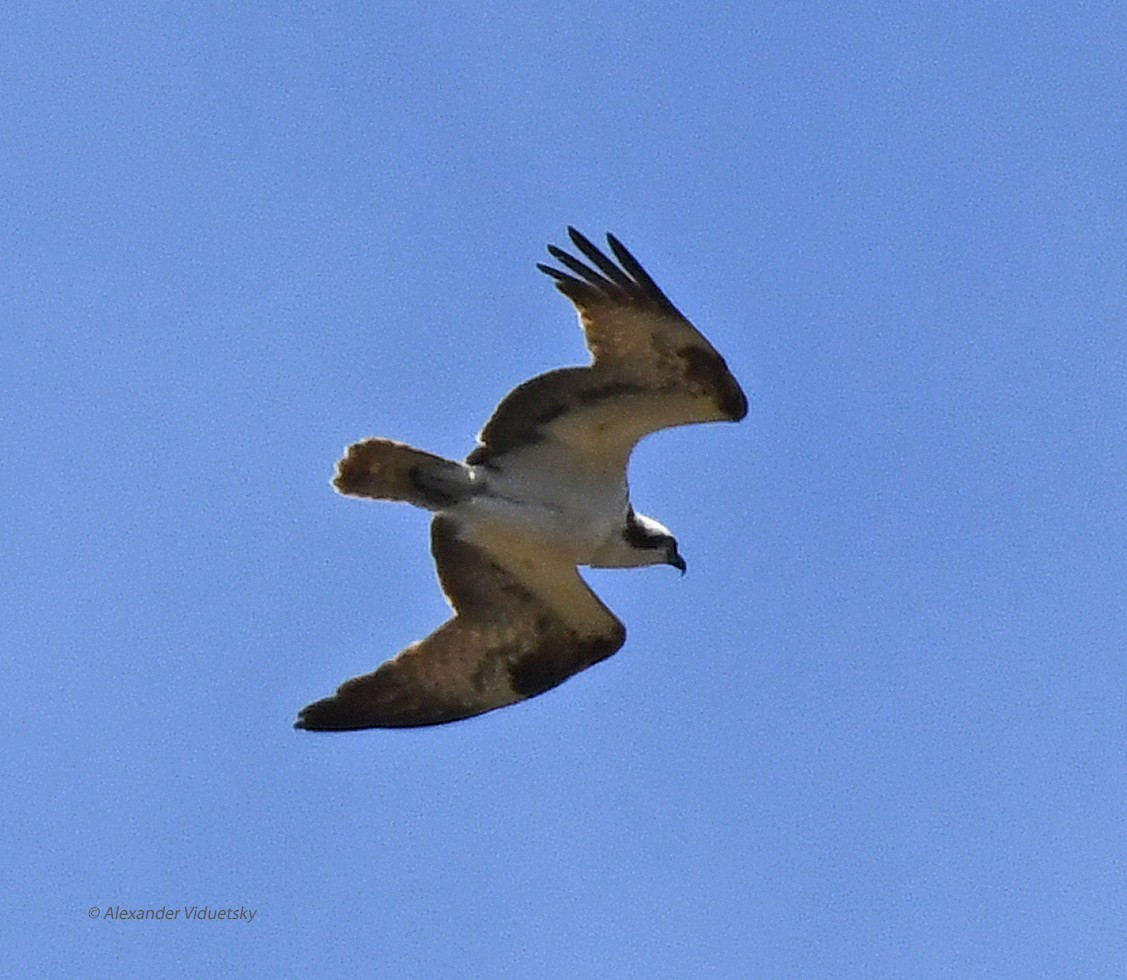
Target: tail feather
x: 387, y: 470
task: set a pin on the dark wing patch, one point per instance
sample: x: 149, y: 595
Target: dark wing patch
x: 707, y: 371
x: 502, y: 645
x: 526, y: 413
x: 554, y: 662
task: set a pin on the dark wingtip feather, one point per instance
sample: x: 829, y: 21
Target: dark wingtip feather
x: 326, y: 715
x: 581, y: 241
x: 549, y: 271
x: 604, y: 280
x: 341, y: 714
x: 634, y: 267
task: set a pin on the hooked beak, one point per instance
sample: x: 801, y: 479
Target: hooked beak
x: 677, y: 562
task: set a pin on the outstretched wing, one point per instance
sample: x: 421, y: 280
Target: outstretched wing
x: 651, y: 368
x: 510, y: 639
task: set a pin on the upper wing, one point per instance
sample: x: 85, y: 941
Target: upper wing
x: 509, y: 639
x: 651, y: 368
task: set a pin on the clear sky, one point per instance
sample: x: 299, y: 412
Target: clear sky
x: 878, y: 730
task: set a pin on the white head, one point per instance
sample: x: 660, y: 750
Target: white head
x: 641, y: 541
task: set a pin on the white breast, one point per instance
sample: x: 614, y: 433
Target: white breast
x: 541, y: 491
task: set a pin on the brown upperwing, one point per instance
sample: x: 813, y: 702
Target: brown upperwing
x: 504, y: 644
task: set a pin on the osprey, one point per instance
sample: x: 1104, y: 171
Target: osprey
x: 544, y: 491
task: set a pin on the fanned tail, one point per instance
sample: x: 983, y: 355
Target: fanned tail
x: 383, y: 469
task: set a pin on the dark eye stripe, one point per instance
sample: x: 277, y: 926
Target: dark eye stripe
x: 635, y: 535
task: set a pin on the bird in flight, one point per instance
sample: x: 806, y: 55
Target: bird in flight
x: 543, y: 492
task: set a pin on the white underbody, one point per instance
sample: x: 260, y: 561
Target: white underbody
x: 557, y: 501
x: 542, y: 497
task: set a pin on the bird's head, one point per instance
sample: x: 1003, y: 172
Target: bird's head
x: 642, y: 541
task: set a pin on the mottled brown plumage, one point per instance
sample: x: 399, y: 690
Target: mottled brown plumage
x: 502, y: 645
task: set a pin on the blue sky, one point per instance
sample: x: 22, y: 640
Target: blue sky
x: 877, y: 730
